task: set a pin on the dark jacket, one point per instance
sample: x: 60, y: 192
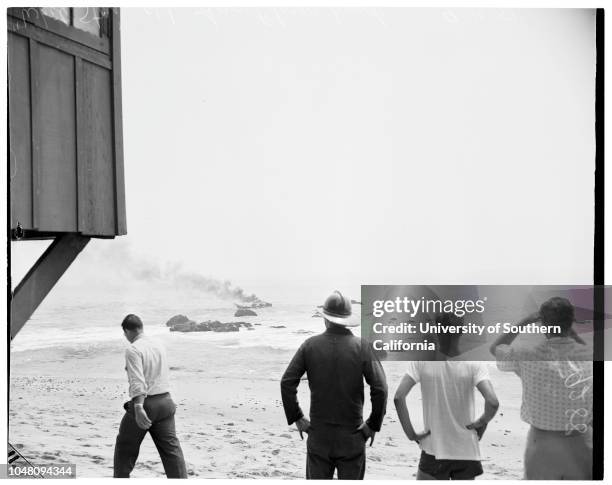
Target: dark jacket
x: 336, y: 362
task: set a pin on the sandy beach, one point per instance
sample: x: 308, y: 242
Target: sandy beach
x: 66, y: 405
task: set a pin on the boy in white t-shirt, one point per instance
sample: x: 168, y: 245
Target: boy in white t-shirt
x: 449, y: 444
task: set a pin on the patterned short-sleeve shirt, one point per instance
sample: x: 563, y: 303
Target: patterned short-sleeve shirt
x: 557, y: 380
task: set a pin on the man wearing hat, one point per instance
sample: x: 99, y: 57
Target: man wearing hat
x: 336, y: 363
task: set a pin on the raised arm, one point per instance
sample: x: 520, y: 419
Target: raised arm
x: 508, y: 338
x: 402, y: 410
x: 491, y: 406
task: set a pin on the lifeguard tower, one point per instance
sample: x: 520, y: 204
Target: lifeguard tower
x: 65, y: 139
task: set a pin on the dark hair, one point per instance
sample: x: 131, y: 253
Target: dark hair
x: 557, y: 311
x: 132, y: 322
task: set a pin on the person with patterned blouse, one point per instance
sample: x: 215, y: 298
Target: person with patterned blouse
x: 557, y: 402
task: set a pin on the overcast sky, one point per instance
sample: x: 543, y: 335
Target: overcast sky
x: 338, y: 147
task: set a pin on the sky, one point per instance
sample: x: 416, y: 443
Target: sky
x: 282, y: 148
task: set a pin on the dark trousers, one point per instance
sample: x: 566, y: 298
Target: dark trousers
x: 160, y: 409
x: 334, y: 447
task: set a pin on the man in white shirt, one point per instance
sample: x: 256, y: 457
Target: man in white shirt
x: 450, y: 443
x: 151, y: 408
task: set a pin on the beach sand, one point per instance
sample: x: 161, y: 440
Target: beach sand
x: 66, y: 405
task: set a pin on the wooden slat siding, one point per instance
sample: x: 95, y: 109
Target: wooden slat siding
x: 75, y: 135
x: 81, y: 143
x: 61, y: 43
x: 33, y: 16
x: 57, y: 125
x: 20, y: 141
x: 98, y: 157
x: 120, y: 211
x: 35, y: 130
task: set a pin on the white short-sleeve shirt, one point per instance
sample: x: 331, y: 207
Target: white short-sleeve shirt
x: 447, y: 390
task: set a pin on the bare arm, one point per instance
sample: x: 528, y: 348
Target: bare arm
x: 402, y: 410
x: 491, y: 406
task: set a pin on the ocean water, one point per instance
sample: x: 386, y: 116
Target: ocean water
x: 89, y: 318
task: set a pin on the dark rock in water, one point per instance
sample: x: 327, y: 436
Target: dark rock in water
x: 278, y: 326
x: 245, y: 312
x: 355, y: 302
x: 178, y: 319
x: 227, y: 327
x: 201, y: 327
x: 210, y: 326
x: 183, y: 327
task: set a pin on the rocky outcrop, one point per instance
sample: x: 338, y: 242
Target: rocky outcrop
x: 178, y: 320
x: 210, y: 326
x: 245, y: 312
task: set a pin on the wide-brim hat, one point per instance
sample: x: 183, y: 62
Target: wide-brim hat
x: 337, y: 309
